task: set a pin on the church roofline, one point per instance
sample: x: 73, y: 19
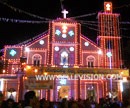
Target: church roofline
x: 105, y: 13
x: 90, y: 41
x: 27, y: 42
x: 65, y: 20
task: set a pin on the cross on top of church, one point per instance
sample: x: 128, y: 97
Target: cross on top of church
x: 64, y: 13
x: 108, y: 6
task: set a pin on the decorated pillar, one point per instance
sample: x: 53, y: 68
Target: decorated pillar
x: 79, y: 87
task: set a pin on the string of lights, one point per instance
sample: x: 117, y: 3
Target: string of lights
x: 31, y: 39
x: 43, y: 18
x: 22, y: 21
x: 92, y: 28
x: 122, y: 6
x: 1, y: 50
x: 85, y: 15
x: 90, y: 24
x: 81, y: 16
x: 22, y: 11
x: 62, y: 7
x: 128, y: 37
x: 125, y: 28
x: 38, y: 22
x: 83, y: 21
x: 127, y: 22
x: 39, y: 17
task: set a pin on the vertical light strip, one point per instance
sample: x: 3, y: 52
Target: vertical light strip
x: 104, y: 46
x: 2, y: 85
x: 70, y: 90
x: 115, y: 52
x: 85, y: 88
x: 98, y: 92
x: 80, y: 45
x: 51, y: 95
x: 19, y: 88
x: 76, y: 43
x: 75, y: 89
x: 6, y: 88
x: 41, y: 94
x: 52, y: 58
x: 46, y: 94
x: 120, y: 54
x: 102, y: 87
x: 106, y: 86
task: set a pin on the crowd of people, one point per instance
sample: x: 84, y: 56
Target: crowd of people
x: 31, y: 101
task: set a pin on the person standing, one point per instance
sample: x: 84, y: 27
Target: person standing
x: 30, y: 100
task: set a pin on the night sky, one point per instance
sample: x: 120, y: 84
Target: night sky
x: 16, y: 32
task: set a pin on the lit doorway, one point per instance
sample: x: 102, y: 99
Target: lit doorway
x: 91, y: 92
x: 63, y: 92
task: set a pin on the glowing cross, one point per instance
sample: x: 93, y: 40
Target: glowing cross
x: 108, y: 6
x: 64, y: 27
x: 64, y: 13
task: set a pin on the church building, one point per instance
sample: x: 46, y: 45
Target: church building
x: 63, y: 63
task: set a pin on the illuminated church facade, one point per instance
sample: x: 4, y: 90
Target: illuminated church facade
x: 64, y: 51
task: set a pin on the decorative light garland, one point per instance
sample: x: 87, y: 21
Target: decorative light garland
x: 22, y: 21
x: 22, y: 11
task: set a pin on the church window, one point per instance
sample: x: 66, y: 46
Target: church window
x: 36, y: 60
x: 64, y: 58
x: 90, y: 61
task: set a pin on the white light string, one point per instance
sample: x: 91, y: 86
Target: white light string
x: 22, y: 11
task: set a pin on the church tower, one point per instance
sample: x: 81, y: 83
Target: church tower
x: 109, y: 37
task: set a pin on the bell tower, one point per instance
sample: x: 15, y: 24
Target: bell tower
x: 109, y: 37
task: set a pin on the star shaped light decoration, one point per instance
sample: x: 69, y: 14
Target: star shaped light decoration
x: 12, y: 52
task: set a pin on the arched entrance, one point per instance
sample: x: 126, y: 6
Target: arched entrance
x: 91, y: 92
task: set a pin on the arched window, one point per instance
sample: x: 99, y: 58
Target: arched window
x: 90, y: 61
x: 36, y: 59
x: 64, y: 58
